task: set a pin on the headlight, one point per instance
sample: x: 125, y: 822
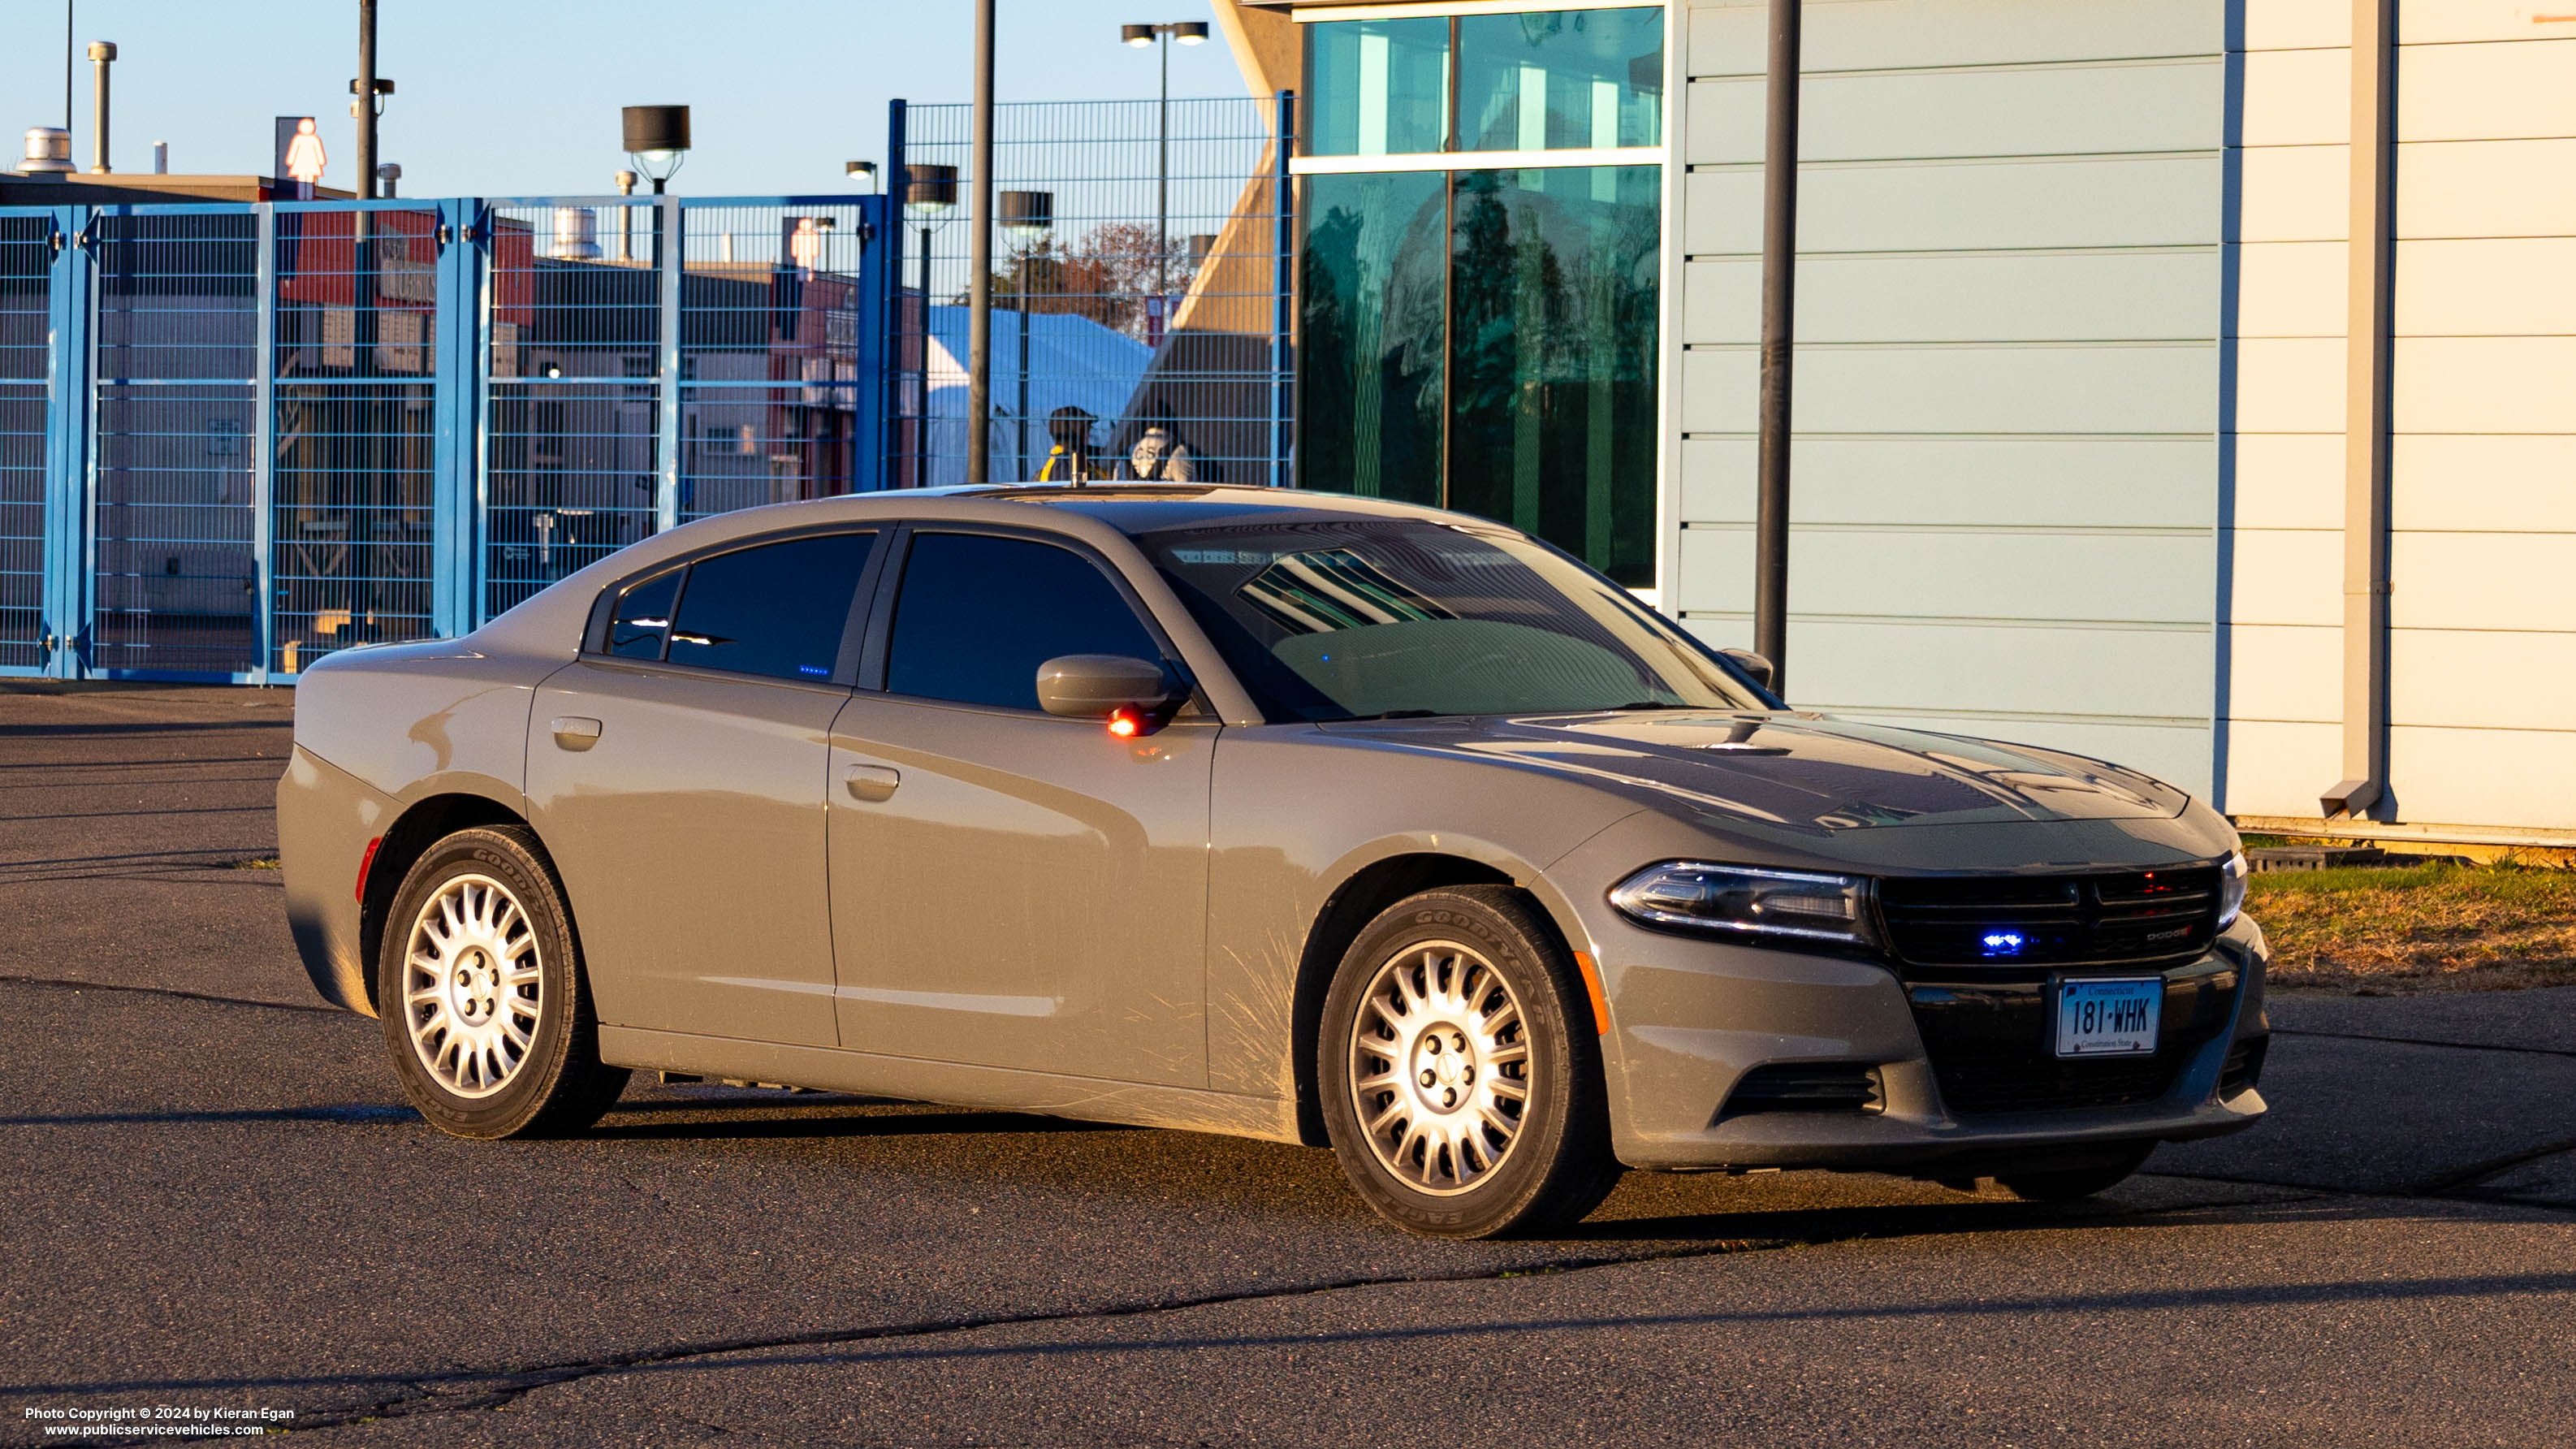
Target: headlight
x: 2231, y: 889
x: 1693, y: 896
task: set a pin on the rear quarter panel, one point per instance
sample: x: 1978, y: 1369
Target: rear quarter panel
x: 377, y: 731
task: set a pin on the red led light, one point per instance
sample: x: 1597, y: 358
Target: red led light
x: 1123, y: 723
x: 366, y: 863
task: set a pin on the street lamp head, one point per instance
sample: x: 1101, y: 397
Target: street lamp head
x: 861, y: 171
x: 657, y: 138
x: 1190, y: 32
x: 930, y: 189
x: 1136, y: 35
x: 1027, y: 215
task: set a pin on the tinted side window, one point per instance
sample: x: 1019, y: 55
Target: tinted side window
x: 978, y: 615
x: 777, y: 609
x: 643, y: 620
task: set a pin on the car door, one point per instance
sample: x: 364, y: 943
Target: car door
x: 676, y: 773
x: 1012, y: 889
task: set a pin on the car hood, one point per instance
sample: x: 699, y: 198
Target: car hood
x: 1799, y: 773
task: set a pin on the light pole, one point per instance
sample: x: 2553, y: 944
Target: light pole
x: 929, y: 194
x: 1187, y: 32
x: 363, y: 108
x: 1779, y: 329
x: 979, y: 293
x: 1028, y: 215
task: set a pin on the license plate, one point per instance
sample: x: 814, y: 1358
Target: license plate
x: 2098, y: 1018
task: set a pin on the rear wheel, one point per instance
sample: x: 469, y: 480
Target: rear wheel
x: 479, y: 987
x: 1460, y: 1072
x: 2069, y: 1184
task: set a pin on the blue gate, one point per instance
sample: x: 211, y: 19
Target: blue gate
x: 234, y: 438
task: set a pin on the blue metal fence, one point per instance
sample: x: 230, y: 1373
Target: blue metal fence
x: 234, y: 438
x: 25, y: 263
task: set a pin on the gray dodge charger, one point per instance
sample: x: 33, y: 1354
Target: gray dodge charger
x: 1310, y: 818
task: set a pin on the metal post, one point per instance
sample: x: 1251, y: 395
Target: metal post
x: 1020, y: 426
x: 67, y: 442
x: 366, y: 100
x: 1283, y: 313
x: 263, y: 457
x: 453, y: 536
x: 2362, y: 793
x: 891, y: 390
x: 671, y: 255
x: 1779, y: 295
x: 1163, y: 187
x: 979, y: 321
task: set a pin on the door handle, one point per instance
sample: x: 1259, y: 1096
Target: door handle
x: 572, y: 732
x: 871, y: 782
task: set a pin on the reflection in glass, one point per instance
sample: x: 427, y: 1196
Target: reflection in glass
x: 1561, y: 79
x: 643, y: 622
x: 1552, y: 366
x: 1369, y: 360
x: 1377, y: 87
x: 1338, y: 618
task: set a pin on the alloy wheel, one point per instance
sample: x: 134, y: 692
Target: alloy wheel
x: 473, y: 986
x: 1440, y: 1067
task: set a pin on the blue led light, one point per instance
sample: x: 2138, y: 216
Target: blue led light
x: 2003, y: 943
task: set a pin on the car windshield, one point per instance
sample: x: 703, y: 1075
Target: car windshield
x: 1394, y: 618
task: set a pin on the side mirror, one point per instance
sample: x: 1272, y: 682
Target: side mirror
x: 1753, y: 664
x: 1115, y: 687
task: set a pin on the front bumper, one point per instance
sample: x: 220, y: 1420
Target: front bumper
x: 1691, y: 1017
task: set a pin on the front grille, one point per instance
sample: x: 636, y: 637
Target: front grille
x: 1992, y: 1043
x: 2130, y: 918
x: 1805, y: 1087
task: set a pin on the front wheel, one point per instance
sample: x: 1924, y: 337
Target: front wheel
x: 1460, y: 1071
x: 480, y: 990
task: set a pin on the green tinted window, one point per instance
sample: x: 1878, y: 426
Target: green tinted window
x: 1552, y: 328
x: 1377, y: 87
x: 1369, y: 357
x: 1561, y: 79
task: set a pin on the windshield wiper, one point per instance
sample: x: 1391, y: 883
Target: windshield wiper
x: 1401, y: 714
x: 1654, y: 704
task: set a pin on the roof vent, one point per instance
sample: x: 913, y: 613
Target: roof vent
x: 49, y: 151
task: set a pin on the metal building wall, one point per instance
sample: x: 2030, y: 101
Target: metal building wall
x: 2011, y: 344
x: 2285, y: 540
x: 2482, y: 718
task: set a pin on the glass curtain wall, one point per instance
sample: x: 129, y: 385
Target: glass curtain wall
x: 1552, y: 332
x: 1483, y: 337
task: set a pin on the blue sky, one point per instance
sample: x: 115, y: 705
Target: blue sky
x: 520, y: 97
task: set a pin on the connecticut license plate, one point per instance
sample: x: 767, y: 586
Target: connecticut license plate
x: 2097, y: 1018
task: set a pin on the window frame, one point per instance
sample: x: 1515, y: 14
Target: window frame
x: 845, y: 665
x: 877, y: 641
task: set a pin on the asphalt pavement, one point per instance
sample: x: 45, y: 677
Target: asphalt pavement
x: 217, y: 1203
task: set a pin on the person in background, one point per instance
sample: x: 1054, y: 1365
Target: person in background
x: 1069, y: 461
x: 1160, y: 455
